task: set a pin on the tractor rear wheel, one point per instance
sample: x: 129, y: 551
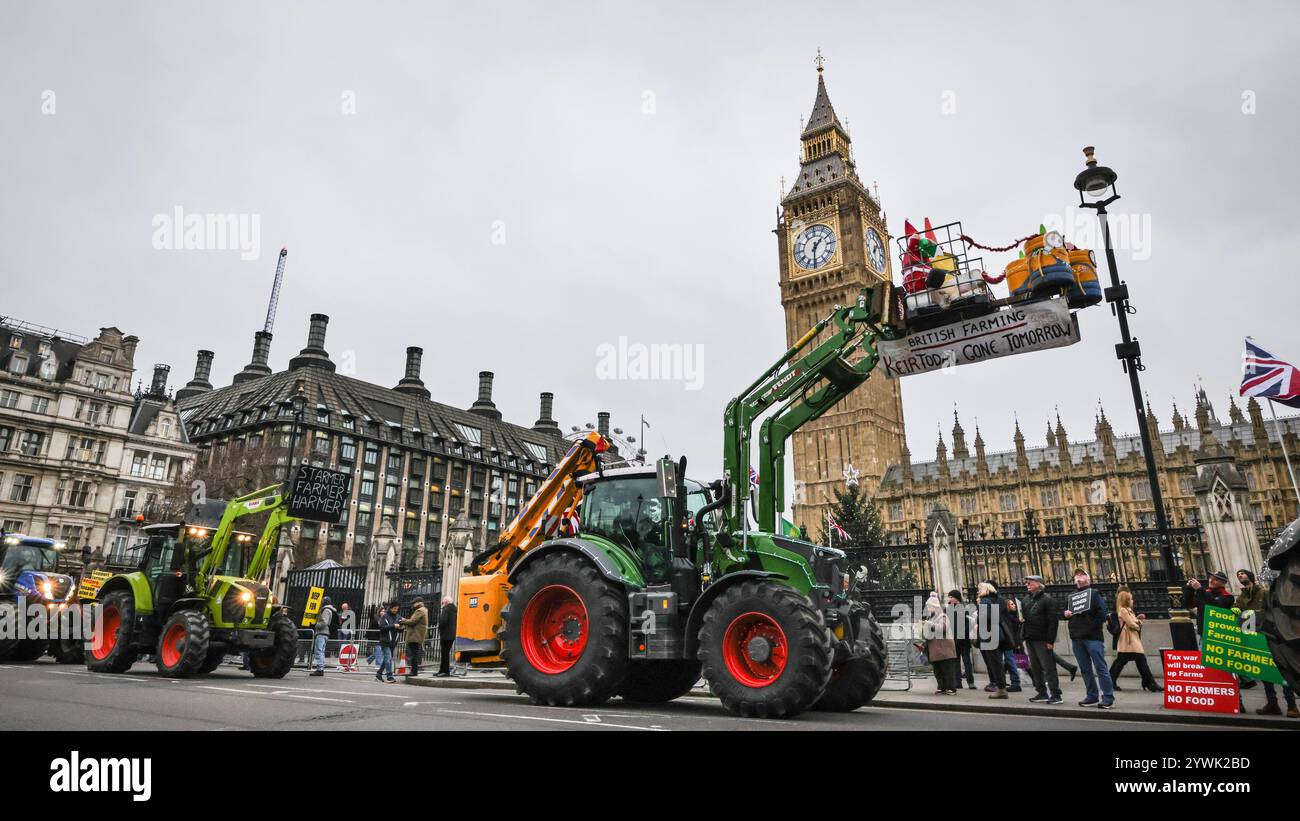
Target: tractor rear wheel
x: 654, y: 682
x: 564, y: 632
x: 855, y: 681
x: 113, y: 651
x: 68, y: 651
x: 183, y: 645
x: 277, y: 660
x: 765, y: 650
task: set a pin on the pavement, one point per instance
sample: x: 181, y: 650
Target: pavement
x: 44, y: 695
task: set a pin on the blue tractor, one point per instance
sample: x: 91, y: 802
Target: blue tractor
x: 27, y: 575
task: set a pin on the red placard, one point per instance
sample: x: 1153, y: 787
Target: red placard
x: 1190, y: 685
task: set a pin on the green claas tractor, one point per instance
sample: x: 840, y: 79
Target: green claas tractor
x: 665, y: 579
x: 199, y: 595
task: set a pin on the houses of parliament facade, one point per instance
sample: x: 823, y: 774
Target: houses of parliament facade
x: 832, y: 240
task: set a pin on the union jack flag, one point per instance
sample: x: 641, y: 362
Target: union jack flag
x: 1264, y: 375
x: 753, y: 477
x: 835, y: 528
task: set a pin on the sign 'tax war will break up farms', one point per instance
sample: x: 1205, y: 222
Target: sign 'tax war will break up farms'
x: 1035, y: 326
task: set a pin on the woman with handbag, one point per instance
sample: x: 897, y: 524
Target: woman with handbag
x: 1129, y: 644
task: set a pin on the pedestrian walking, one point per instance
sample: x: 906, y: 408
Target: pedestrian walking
x: 1042, y: 620
x: 416, y: 628
x: 1087, y: 616
x: 321, y: 635
x: 1130, y: 644
x: 964, y: 630
x: 386, y: 624
x: 997, y: 634
x: 446, y: 636
x: 940, y: 648
x: 1009, y: 656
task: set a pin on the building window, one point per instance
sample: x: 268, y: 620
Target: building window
x: 22, y: 488
x: 347, y: 449
x: 1139, y: 489
x: 6, y: 435
x: 14, y: 526
x: 1011, y: 530
x: 322, y: 443
x: 158, y: 468
x: 372, y: 455
x: 1007, y: 500
x: 120, y: 538
x: 9, y: 399
x: 1050, y: 497
x: 31, y: 442
x: 40, y: 404
x: 72, y: 536
x: 474, y: 436
x: 18, y: 365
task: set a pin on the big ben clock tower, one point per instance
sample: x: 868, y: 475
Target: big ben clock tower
x: 832, y: 241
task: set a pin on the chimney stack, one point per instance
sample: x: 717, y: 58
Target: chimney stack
x: 411, y: 382
x: 158, y: 390
x: 484, y: 406
x: 258, y: 367
x: 314, y: 355
x: 545, y: 424
x: 199, y: 384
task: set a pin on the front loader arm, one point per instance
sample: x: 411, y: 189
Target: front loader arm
x: 809, y: 386
x: 540, y: 516
x: 268, y: 499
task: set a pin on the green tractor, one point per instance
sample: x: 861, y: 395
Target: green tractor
x: 198, y: 596
x: 666, y: 581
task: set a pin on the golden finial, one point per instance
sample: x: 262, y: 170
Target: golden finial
x: 819, y: 60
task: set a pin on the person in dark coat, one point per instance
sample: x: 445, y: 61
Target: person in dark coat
x: 386, y: 623
x: 1086, y: 625
x: 999, y: 632
x: 446, y: 636
x: 1042, y: 617
x: 963, y: 623
x: 1213, y: 592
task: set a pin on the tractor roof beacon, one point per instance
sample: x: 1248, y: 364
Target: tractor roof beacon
x: 663, y: 579
x: 200, y: 593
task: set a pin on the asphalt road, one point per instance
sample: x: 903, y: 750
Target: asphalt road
x: 48, y: 696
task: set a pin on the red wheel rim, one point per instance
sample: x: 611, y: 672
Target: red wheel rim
x: 170, y: 650
x: 110, y: 622
x: 554, y: 629
x: 754, y: 649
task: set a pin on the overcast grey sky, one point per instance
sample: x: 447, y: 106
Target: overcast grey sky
x: 629, y: 155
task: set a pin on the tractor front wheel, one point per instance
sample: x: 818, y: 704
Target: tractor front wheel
x: 855, y: 681
x: 277, y: 660
x: 765, y: 650
x: 111, y: 647
x: 183, y: 645
x: 654, y: 682
x: 68, y: 651
x: 564, y: 632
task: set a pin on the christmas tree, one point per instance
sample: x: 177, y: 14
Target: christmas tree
x: 857, y: 513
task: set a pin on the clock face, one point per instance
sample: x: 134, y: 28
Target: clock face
x: 814, y: 247
x: 875, y: 251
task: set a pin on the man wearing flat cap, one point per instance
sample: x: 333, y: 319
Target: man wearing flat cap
x: 1214, y: 591
x: 1042, y: 616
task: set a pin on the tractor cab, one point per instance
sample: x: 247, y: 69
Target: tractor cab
x: 637, y: 508
x: 27, y: 568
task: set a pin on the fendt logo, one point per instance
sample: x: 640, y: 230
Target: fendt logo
x: 125, y: 775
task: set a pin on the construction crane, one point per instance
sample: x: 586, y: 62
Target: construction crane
x: 275, y: 290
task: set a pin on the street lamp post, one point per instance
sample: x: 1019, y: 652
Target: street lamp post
x: 1096, y: 187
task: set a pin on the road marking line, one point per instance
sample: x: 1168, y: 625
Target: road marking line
x: 278, y: 693
x: 543, y: 718
x: 96, y: 675
x: 327, y: 690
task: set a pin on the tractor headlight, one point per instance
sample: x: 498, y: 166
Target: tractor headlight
x: 47, y: 588
x: 246, y: 597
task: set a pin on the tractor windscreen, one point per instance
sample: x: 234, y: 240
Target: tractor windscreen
x: 22, y: 557
x: 626, y: 511
x: 697, y: 496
